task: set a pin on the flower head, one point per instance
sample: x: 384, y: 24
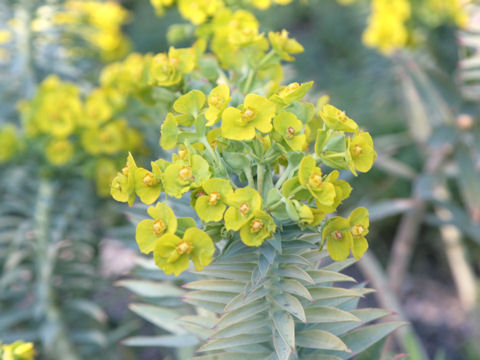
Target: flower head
x: 337, y: 119
x: 290, y: 129
x: 149, y: 231
x: 310, y: 176
x: 123, y: 185
x: 218, y: 100
x: 181, y: 176
x: 211, y: 205
x: 256, y: 113
x: 257, y: 229
x: 360, y: 153
x: 243, y: 203
x: 148, y: 184
x: 173, y: 254
x: 283, y: 45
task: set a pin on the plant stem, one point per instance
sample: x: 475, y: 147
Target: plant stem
x: 53, y: 335
x: 260, y: 175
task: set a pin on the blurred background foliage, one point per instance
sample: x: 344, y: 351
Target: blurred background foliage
x: 421, y: 105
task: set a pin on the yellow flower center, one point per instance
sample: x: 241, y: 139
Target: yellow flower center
x: 247, y: 31
x: 149, y: 180
x: 105, y: 136
x: 290, y: 132
x: 315, y: 180
x: 185, y: 173
x: 248, y: 115
x: 125, y: 171
x: 214, y: 100
x: 184, y: 247
x: 358, y: 230
x: 357, y: 150
x: 338, y: 235
x: 213, y: 198
x: 182, y: 153
x: 243, y: 209
x: 256, y: 225
x: 159, y: 227
x: 341, y: 116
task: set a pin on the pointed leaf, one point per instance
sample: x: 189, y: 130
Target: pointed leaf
x: 294, y: 287
x: 322, y: 314
x: 318, y: 339
x: 291, y: 304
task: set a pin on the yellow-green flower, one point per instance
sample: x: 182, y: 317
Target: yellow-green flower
x: 359, y: 222
x: 211, y: 206
x: 150, y: 231
x: 343, y: 235
x: 290, y: 128
x: 259, y: 228
x: 360, y: 153
x: 168, y: 70
x: 243, y: 204
x: 292, y: 92
x: 339, y: 238
x: 283, y: 45
x: 189, y: 106
x: 310, y: 176
x: 19, y: 350
x: 240, y: 124
x: 9, y: 142
x: 172, y: 254
x: 342, y: 191
x: 336, y: 119
x: 59, y: 151
x: 307, y: 216
x: 180, y: 176
x: 148, y: 184
x: 198, y: 11
x: 123, y: 185
x: 218, y: 100
x: 97, y: 109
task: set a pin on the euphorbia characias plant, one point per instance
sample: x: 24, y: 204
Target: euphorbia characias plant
x: 259, y: 165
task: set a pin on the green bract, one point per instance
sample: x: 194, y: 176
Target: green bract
x: 172, y: 253
x: 149, y: 231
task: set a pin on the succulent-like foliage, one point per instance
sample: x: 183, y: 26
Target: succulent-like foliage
x: 49, y: 267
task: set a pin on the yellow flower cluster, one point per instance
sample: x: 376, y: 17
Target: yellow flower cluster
x: 18, y: 350
x: 59, y: 121
x: 390, y: 25
x: 231, y: 157
x: 199, y: 11
x: 99, y: 23
x: 386, y: 29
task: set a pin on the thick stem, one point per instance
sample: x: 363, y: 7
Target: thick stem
x: 54, y: 339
